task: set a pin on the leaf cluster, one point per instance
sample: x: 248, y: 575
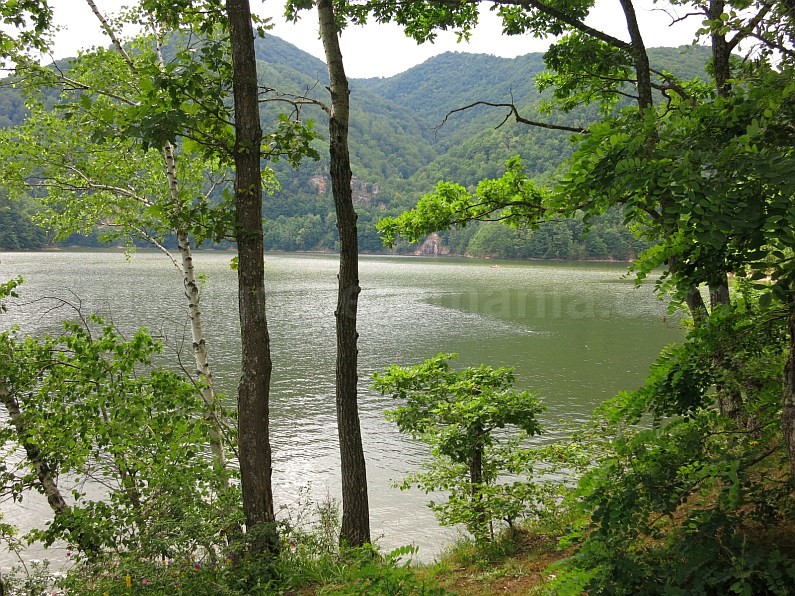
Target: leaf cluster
x: 464, y: 417
x: 101, y: 415
x: 694, y: 503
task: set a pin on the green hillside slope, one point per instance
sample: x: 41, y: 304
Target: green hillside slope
x: 398, y: 149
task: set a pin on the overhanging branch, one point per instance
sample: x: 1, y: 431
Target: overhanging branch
x: 515, y: 112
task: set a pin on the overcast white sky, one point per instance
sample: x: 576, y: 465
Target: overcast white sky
x: 383, y: 50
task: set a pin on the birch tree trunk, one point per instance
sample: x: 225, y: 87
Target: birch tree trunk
x: 355, y: 504
x: 254, y: 388
x: 192, y: 294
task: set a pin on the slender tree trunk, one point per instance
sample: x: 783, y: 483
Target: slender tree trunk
x: 721, y: 51
x: 475, y: 481
x: 254, y: 389
x: 719, y: 293
x: 640, y: 56
x: 199, y: 344
x: 788, y: 402
x: 192, y: 294
x: 44, y: 472
x: 355, y: 505
x: 42, y: 468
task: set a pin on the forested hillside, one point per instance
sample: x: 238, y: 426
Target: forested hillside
x: 402, y: 146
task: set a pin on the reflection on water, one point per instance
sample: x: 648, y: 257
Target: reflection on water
x: 575, y: 334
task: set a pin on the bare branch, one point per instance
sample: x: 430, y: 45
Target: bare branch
x: 88, y: 185
x: 156, y: 243
x: 293, y: 99
x: 515, y: 112
x: 111, y: 33
x: 684, y: 17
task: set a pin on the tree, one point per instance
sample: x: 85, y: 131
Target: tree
x: 461, y: 416
x: 355, y: 506
x: 254, y: 389
x: 70, y: 158
x: 88, y: 405
x: 27, y: 25
x: 355, y: 529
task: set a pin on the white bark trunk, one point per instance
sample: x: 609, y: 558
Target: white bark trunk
x: 188, y: 274
x: 194, y: 312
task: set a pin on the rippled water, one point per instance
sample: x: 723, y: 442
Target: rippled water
x: 575, y: 333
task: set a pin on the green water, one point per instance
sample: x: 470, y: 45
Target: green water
x: 575, y: 333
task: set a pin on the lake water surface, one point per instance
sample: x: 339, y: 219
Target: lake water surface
x: 575, y: 334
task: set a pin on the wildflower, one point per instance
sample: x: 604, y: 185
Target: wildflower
x: 293, y: 545
x: 128, y: 581
x: 197, y: 566
x: 145, y: 581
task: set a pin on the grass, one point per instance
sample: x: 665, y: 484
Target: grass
x: 513, y: 564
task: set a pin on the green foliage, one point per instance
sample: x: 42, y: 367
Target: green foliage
x: 8, y: 290
x: 712, y: 183
x: 17, y: 228
x: 696, y: 503
x: 388, y: 575
x: 602, y: 82
x: 531, y: 228
x: 99, y: 413
x: 739, y: 349
x: 26, y: 28
x: 461, y: 416
x: 513, y: 197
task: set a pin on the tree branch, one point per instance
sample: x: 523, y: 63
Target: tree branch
x: 748, y: 29
x: 512, y: 110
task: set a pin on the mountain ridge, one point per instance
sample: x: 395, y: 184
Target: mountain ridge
x: 398, y: 149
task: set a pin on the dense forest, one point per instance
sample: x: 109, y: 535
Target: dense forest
x: 400, y: 149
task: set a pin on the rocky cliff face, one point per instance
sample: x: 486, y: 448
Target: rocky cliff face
x: 363, y: 192
x: 433, y: 245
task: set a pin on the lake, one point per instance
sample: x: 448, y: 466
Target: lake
x: 576, y: 333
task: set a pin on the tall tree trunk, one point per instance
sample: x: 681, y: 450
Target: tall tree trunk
x: 730, y: 399
x: 186, y: 267
x: 640, y: 56
x: 721, y: 51
x: 788, y: 401
x: 254, y: 389
x: 695, y: 304
x: 355, y: 504
x: 719, y: 293
x: 199, y: 344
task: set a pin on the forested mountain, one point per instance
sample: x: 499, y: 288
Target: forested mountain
x: 400, y: 148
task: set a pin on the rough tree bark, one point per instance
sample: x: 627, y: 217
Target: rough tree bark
x: 355, y: 505
x: 254, y: 388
